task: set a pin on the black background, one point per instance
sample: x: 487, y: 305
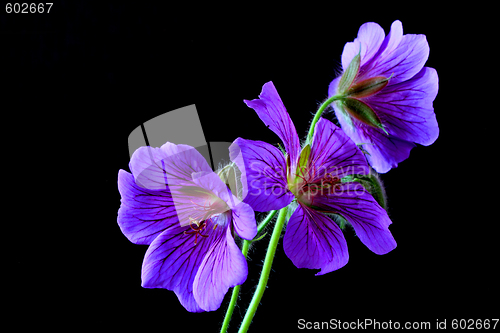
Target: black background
x: 78, y: 80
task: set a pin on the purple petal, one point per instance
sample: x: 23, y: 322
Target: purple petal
x: 333, y: 87
x: 147, y: 167
x: 370, y: 36
x: 406, y: 108
x: 143, y: 213
x: 385, y: 151
x: 263, y: 174
x: 224, y: 266
x: 399, y: 56
x: 334, y: 153
x: 212, y: 182
x: 244, y: 221
x: 272, y: 112
x: 314, y: 241
x: 181, y: 162
x: 243, y: 215
x: 357, y: 206
x: 178, y: 166
x: 155, y: 168
x: 196, y: 203
x: 391, y: 41
x: 172, y: 261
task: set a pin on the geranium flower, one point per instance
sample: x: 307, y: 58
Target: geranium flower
x: 387, y: 94
x: 313, y: 177
x: 174, y: 203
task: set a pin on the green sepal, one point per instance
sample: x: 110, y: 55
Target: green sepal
x: 303, y: 160
x: 348, y: 179
x: 362, y: 112
x: 282, y: 149
x: 367, y: 87
x: 372, y: 184
x: 258, y: 238
x: 340, y: 220
x: 347, y: 117
x: 363, y: 150
x: 291, y: 209
x: 349, y: 74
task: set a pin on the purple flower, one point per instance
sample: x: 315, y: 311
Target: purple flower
x: 174, y: 203
x: 312, y: 176
x: 388, y: 94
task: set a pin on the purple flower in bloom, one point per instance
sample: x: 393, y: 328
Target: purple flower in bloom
x: 313, y: 177
x: 174, y: 203
x: 388, y: 94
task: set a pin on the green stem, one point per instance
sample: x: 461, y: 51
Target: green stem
x: 236, y: 289
x: 319, y: 113
x: 266, y: 269
x: 266, y: 221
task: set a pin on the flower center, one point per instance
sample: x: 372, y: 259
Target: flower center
x: 202, y: 214
x: 196, y: 229
x: 308, y: 185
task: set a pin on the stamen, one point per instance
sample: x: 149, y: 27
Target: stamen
x: 196, y: 228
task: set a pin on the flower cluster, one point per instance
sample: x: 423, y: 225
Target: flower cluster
x: 187, y: 214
